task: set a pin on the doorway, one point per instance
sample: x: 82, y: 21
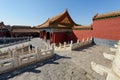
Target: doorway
x: 48, y: 35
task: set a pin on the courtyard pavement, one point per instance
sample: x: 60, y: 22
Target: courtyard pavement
x: 38, y: 42
x: 66, y: 65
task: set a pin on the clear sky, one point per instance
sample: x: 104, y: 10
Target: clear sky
x: 35, y: 12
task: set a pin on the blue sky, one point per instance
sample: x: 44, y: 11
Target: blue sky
x: 35, y: 12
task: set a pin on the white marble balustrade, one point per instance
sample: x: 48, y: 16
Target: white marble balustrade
x: 23, y: 58
x: 113, y: 73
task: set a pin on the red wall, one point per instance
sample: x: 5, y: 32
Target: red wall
x: 107, y: 28
x: 63, y: 37
x: 104, y: 29
x: 59, y: 37
x: 76, y: 34
x: 71, y: 36
x: 3, y: 34
x: 80, y: 34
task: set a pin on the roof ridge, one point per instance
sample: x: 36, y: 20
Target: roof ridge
x: 47, y: 21
x: 106, y: 15
x: 56, y: 19
x: 58, y: 16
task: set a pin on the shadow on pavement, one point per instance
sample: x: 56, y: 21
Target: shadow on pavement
x: 32, y: 67
x: 85, y: 47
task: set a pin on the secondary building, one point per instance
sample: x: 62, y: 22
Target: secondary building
x: 24, y: 31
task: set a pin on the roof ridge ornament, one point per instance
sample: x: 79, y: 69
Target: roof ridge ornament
x: 66, y: 9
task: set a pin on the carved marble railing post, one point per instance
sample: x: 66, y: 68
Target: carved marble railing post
x: 48, y: 46
x: 83, y: 42
x: 71, y: 43
x: 87, y: 39
x: 15, y: 57
x: 36, y: 49
x: 60, y: 45
x: 78, y: 41
x: 53, y: 48
x: 9, y: 53
x: 22, y: 49
x: 38, y: 53
x: 64, y: 45
x: 29, y: 50
x: 54, y: 45
x: 90, y: 42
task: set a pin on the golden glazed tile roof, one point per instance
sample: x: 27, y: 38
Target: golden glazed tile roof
x: 20, y: 26
x: 89, y: 27
x: 106, y: 15
x: 82, y: 26
x: 56, y: 19
x: 45, y: 24
x: 25, y: 30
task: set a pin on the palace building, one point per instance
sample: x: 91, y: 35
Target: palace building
x: 18, y: 31
x: 58, y: 29
x: 24, y: 31
x: 62, y: 28
x: 105, y: 29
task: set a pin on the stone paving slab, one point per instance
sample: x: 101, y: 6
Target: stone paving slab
x: 68, y: 65
x: 38, y: 42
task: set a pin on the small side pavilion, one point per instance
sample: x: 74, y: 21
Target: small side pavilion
x: 58, y: 29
